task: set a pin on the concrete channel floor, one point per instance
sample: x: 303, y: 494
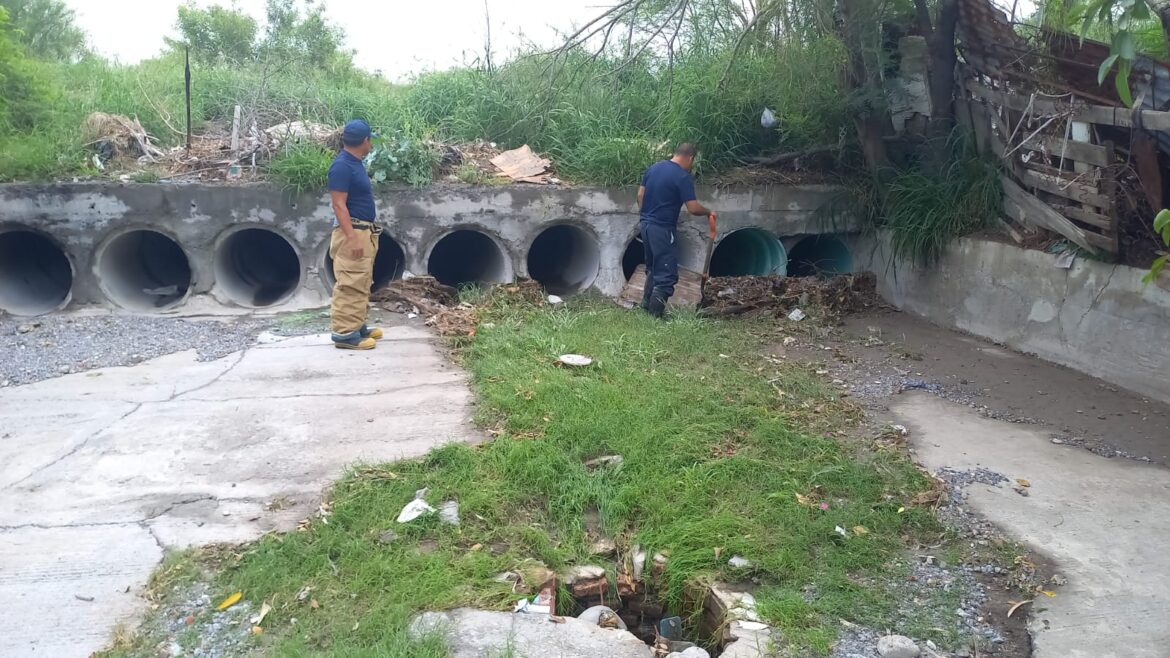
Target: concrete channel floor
x: 1103, y: 522
x: 101, y: 472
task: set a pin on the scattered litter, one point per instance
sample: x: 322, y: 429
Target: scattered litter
x: 841, y: 531
x: 1023, y: 483
x: 603, y: 616
x: 449, y: 512
x: 797, y: 315
x: 900, y: 429
x: 258, y: 618
x: 304, y: 593
x: 780, y: 296
x: 541, y: 604
x: 82, y: 597
x: 1065, y: 260
x: 768, y: 119
x: 576, y: 360
x: 860, y: 530
x: 230, y: 601
x: 411, y: 316
x: 740, y: 562
x: 554, y: 300
x: 523, y: 166
x: 415, y: 508
x: 1016, y: 605
x: 608, y: 460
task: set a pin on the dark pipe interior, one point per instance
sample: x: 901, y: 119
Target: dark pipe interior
x: 35, y: 275
x: 466, y: 257
x: 748, y: 252
x: 564, y: 259
x: 389, y: 264
x: 819, y: 255
x: 144, y: 271
x: 635, y: 255
x: 257, y: 267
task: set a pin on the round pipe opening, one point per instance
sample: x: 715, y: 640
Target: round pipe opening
x: 820, y: 255
x: 257, y: 267
x: 634, y: 256
x: 467, y: 257
x: 389, y: 264
x: 564, y: 259
x: 143, y: 270
x: 35, y: 274
x: 749, y: 252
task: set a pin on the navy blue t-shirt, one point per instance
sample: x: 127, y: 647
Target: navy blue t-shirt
x: 348, y: 174
x: 668, y: 187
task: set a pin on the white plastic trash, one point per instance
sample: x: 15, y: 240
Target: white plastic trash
x: 415, y: 508
x: 576, y: 360
x: 797, y: 315
x: 554, y: 300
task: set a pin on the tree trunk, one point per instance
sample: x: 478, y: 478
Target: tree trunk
x: 868, y: 119
x: 943, y: 58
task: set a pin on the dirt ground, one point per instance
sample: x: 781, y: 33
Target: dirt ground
x: 1074, y: 407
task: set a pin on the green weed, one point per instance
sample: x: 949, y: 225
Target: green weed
x: 302, y: 168
x: 716, y: 446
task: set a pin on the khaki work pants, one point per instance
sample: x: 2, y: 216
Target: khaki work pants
x: 351, y: 293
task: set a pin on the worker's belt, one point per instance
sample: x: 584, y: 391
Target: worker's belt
x: 361, y: 225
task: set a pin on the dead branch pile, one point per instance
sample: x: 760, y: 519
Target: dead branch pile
x: 118, y: 137
x: 420, y: 294
x: 778, y: 295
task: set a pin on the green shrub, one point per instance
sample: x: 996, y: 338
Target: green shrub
x: 302, y: 168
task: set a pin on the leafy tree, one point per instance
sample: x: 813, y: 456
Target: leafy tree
x: 218, y: 34
x: 24, y: 92
x: 46, y: 28
x: 310, y: 40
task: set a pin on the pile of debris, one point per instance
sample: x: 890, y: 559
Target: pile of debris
x: 117, y: 138
x: 424, y: 296
x: 779, y: 295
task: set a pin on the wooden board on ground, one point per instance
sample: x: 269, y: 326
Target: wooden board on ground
x: 688, y: 292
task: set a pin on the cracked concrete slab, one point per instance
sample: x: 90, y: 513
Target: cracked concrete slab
x: 102, y: 471
x: 1102, y: 521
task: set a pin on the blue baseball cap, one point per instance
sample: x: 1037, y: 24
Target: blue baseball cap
x: 356, y: 132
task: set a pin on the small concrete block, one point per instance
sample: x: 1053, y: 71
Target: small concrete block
x: 897, y: 646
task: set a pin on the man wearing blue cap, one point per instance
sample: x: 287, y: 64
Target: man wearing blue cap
x: 354, y: 243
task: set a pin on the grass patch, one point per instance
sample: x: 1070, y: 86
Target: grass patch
x: 302, y: 168
x: 717, y: 442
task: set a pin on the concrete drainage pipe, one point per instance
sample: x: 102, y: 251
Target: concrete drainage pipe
x: 389, y: 264
x: 467, y: 257
x: 256, y: 267
x: 35, y: 274
x: 820, y: 255
x: 564, y: 259
x: 749, y: 252
x: 143, y: 270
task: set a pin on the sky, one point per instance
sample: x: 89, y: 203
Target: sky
x: 396, y: 37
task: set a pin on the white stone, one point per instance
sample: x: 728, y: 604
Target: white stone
x: 897, y: 646
x: 476, y: 633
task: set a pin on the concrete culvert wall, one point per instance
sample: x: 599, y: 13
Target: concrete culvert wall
x: 256, y: 267
x: 564, y: 259
x: 35, y: 274
x: 389, y: 264
x: 820, y: 255
x: 143, y: 271
x: 749, y: 252
x: 634, y: 256
x: 466, y: 257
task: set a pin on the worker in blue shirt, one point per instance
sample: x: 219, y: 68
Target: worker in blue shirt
x: 666, y: 187
x: 354, y: 242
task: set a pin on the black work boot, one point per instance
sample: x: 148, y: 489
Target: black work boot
x: 657, y: 305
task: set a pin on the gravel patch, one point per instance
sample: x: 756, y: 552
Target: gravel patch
x: 32, y: 350
x: 191, y: 626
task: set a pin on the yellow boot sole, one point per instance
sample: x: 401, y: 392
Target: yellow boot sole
x: 363, y: 344
x: 375, y: 333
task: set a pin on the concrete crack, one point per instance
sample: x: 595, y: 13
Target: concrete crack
x: 1097, y: 297
x: 178, y: 503
x: 73, y: 451
x: 214, y: 380
x: 57, y: 526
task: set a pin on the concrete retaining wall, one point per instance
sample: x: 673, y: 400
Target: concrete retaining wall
x: 83, y: 219
x: 1095, y: 317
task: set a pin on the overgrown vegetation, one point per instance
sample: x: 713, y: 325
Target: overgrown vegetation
x: 724, y: 453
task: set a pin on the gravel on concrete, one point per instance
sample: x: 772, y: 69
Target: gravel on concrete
x: 34, y: 349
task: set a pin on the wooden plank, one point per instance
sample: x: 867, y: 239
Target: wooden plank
x: 1086, y: 216
x: 1093, y: 154
x: 1075, y: 191
x: 1027, y: 209
x: 1102, y: 114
